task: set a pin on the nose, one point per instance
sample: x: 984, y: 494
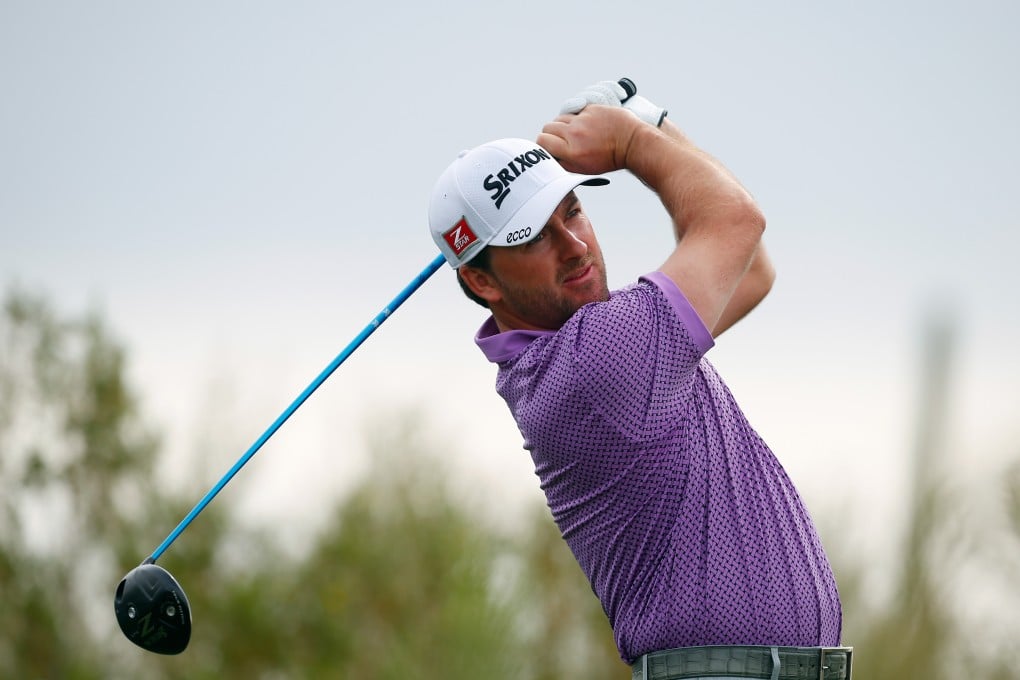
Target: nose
x: 569, y: 245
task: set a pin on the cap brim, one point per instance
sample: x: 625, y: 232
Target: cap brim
x: 536, y: 212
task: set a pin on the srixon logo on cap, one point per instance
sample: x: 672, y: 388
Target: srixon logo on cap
x: 499, y: 183
x: 460, y: 236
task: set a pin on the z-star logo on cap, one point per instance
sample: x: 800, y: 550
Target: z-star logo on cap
x: 460, y: 236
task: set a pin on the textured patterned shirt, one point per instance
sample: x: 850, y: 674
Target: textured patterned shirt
x: 685, y: 523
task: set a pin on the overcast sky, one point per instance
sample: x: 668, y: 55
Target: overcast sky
x: 238, y: 187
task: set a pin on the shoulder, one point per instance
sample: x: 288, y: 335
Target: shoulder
x: 650, y: 312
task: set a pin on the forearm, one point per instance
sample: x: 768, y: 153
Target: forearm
x: 697, y: 191
x: 717, y: 225
x: 755, y: 284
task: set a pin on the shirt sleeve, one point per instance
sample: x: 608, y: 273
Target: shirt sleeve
x: 685, y: 312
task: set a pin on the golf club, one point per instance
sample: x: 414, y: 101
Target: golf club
x: 151, y: 607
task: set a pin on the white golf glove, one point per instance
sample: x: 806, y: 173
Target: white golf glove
x: 610, y: 93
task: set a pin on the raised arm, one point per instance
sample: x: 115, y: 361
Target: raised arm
x: 758, y: 280
x: 717, y: 224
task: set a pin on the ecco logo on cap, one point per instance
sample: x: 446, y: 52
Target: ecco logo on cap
x: 518, y: 235
x: 460, y: 236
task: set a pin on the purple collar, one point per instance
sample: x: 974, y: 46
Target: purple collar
x: 499, y: 347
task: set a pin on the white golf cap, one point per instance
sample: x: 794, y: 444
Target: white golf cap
x: 498, y: 194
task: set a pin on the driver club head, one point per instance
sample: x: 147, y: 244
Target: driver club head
x: 152, y: 610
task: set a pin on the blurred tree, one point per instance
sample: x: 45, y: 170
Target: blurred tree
x: 70, y: 445
x: 408, y: 583
x: 399, y: 584
x: 918, y: 632
x: 914, y: 637
x: 78, y: 499
x: 559, y: 617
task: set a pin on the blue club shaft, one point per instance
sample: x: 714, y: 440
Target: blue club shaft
x: 289, y: 411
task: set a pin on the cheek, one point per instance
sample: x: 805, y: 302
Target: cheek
x: 522, y: 268
x: 586, y: 233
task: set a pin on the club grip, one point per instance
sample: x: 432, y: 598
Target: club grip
x: 628, y: 85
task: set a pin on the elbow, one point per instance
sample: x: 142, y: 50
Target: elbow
x: 762, y: 271
x: 752, y: 218
x: 767, y: 276
x: 744, y: 221
x: 747, y: 226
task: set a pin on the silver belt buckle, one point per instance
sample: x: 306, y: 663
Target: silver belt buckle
x: 829, y: 650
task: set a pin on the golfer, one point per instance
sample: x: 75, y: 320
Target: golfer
x: 690, y: 532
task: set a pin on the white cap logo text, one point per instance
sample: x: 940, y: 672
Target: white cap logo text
x: 499, y: 182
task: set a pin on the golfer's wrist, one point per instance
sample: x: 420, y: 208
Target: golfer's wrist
x: 643, y: 146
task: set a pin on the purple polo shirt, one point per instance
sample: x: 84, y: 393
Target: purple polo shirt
x: 683, y: 520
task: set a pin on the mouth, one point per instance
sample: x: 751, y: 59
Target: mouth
x: 579, y: 276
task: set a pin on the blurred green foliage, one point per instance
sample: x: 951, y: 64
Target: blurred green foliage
x: 404, y: 581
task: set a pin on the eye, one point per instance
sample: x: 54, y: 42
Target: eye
x: 540, y: 236
x: 574, y: 210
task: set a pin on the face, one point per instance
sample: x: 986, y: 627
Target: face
x: 541, y: 283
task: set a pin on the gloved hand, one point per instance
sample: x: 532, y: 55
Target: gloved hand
x: 610, y: 93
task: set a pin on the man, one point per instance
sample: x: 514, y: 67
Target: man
x: 689, y: 530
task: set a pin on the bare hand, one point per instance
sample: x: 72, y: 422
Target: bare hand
x: 594, y: 141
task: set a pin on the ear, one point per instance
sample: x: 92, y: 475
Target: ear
x: 482, y: 283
